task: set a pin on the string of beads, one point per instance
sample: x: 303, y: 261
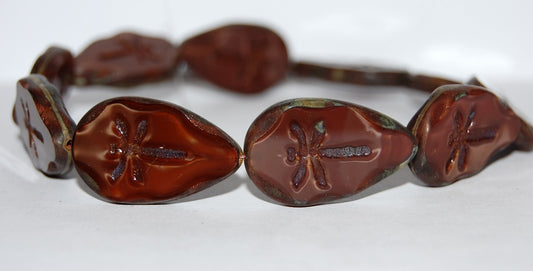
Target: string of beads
x: 299, y: 152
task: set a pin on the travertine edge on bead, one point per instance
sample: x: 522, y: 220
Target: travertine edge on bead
x: 62, y: 138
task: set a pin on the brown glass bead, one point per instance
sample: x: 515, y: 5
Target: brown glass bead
x: 243, y: 58
x: 309, y: 151
x: 45, y: 127
x: 138, y: 150
x: 125, y: 59
x: 461, y: 129
x: 56, y: 64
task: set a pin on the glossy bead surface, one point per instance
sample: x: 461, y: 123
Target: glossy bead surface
x: 45, y: 127
x: 524, y: 141
x: 309, y: 151
x: 243, y: 58
x: 125, y: 59
x: 56, y: 64
x: 461, y: 129
x: 138, y: 150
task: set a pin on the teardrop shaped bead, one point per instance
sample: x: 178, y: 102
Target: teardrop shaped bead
x: 242, y: 58
x: 139, y: 150
x: 125, y: 59
x: 308, y: 151
x: 460, y: 130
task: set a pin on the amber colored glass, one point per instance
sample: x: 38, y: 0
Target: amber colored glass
x: 125, y: 59
x: 461, y: 129
x: 56, y: 64
x: 138, y: 150
x: 243, y: 58
x: 309, y: 151
x: 45, y: 126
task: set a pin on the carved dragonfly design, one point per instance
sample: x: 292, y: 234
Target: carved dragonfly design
x: 309, y: 154
x: 465, y: 134
x: 131, y: 149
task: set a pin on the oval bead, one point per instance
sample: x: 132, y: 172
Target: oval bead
x: 125, y: 59
x: 242, y: 58
x: 56, y: 64
x: 138, y: 150
x: 309, y: 151
x: 460, y: 129
x: 46, y: 128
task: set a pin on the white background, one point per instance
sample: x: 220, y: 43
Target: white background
x: 482, y: 223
